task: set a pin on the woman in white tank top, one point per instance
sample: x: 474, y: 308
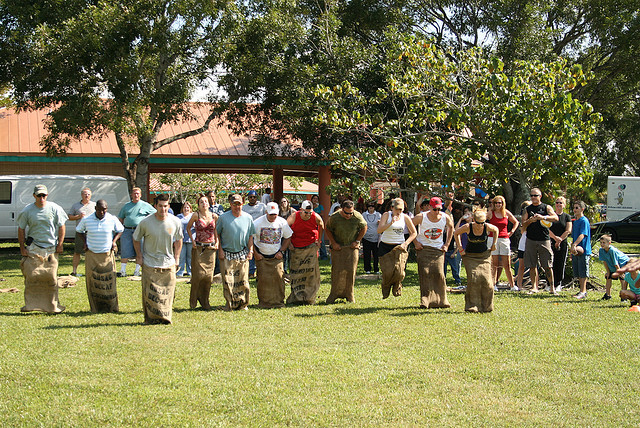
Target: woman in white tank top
x: 392, y: 226
x: 393, y: 247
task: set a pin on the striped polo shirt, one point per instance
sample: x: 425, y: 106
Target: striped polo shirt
x: 99, y: 233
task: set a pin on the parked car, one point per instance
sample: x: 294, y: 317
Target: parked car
x: 625, y: 230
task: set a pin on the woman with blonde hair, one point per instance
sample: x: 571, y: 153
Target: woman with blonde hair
x: 392, y: 249
x: 500, y: 217
x: 477, y: 262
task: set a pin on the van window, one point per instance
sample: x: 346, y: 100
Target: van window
x: 5, y: 192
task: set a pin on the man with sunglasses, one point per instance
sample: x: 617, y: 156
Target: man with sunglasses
x: 345, y: 229
x: 536, y: 220
x: 44, y: 221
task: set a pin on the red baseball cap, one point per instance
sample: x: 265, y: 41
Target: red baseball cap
x: 435, y: 202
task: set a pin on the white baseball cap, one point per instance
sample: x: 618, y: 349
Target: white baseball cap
x: 272, y: 208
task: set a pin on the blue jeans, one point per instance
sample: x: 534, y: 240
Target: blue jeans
x: 454, y: 263
x: 252, y: 266
x: 185, y: 259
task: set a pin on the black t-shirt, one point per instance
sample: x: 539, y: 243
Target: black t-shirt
x: 558, y: 227
x: 536, y: 231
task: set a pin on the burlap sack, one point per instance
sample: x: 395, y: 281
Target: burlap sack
x: 270, y: 282
x: 393, y: 265
x: 101, y: 282
x: 304, y: 274
x: 433, y: 285
x: 203, y: 264
x: 158, y: 290
x: 343, y: 273
x: 235, y: 283
x: 40, y: 283
x: 479, y: 295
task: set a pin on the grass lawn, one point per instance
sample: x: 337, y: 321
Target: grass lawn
x: 536, y: 360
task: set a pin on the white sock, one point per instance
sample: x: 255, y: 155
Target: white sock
x: 123, y: 268
x: 137, y: 271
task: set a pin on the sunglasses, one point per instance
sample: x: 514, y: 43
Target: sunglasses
x: 347, y: 214
x: 437, y: 209
x: 41, y: 195
x: 535, y: 196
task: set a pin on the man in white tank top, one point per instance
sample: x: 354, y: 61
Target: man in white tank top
x: 431, y: 248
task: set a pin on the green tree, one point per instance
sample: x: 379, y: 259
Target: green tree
x: 129, y: 67
x: 436, y: 114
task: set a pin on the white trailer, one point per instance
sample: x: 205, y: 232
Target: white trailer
x: 16, y: 192
x: 623, y: 197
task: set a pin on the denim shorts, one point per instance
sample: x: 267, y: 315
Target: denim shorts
x: 127, y: 251
x: 580, y: 266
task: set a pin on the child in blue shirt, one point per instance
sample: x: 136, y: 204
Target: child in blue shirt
x: 613, y: 259
x: 632, y: 276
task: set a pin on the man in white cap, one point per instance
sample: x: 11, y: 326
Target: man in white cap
x: 44, y: 222
x: 270, y: 241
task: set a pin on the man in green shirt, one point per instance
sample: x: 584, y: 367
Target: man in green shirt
x: 345, y: 229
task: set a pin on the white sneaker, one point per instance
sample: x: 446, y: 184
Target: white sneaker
x: 515, y: 288
x: 547, y: 288
x: 581, y: 296
x: 558, y: 288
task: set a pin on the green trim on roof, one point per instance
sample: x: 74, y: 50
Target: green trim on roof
x: 202, y: 160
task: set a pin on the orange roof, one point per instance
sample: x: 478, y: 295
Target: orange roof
x: 20, y: 133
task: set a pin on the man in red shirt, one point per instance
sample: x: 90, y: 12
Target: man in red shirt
x: 307, y: 229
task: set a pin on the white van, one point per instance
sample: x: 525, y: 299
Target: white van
x: 16, y: 192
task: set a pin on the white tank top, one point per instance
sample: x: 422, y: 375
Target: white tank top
x: 395, y: 233
x: 432, y: 233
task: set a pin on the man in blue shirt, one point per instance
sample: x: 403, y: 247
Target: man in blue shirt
x: 235, y: 232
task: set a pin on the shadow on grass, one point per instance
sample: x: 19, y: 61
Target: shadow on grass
x: 78, y: 314
x: 400, y: 311
x: 95, y: 325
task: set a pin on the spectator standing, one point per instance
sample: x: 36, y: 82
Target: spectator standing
x: 184, y: 265
x: 559, y: 231
x: 130, y: 216
x: 371, y: 238
x: 79, y: 210
x: 581, y: 248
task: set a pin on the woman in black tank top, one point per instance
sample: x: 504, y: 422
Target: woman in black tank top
x: 477, y: 262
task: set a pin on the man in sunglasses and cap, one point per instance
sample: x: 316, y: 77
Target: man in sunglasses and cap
x: 44, y: 222
x: 345, y: 229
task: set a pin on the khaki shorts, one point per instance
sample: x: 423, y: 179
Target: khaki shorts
x: 535, y: 249
x: 79, y: 249
x: 503, y: 247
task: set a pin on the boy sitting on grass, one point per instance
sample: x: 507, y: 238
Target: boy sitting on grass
x: 613, y: 259
x: 631, y: 276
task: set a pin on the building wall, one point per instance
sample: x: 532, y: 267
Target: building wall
x: 62, y: 168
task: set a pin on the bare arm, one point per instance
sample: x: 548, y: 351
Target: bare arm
x: 320, y: 224
x: 138, y: 248
x: 514, y: 220
x: 115, y: 239
x: 250, y: 246
x: 412, y: 231
x: 61, y: 231
x: 332, y: 241
x: 459, y: 231
x: 177, y: 248
x: 384, y: 223
x: 494, y: 233
x: 21, y: 235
